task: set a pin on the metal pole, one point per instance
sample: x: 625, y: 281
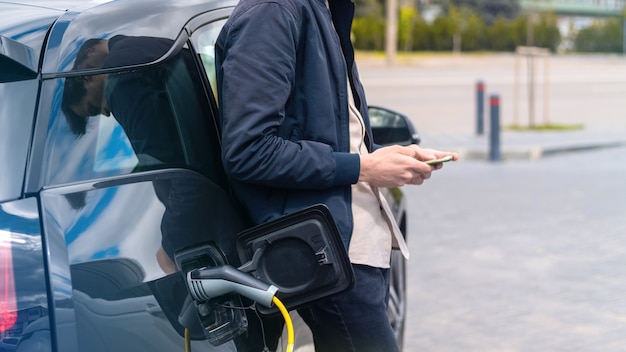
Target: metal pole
x: 531, y: 89
x: 494, y: 133
x: 516, y: 88
x: 530, y: 30
x: 391, y: 31
x: 480, y: 107
x: 546, y: 89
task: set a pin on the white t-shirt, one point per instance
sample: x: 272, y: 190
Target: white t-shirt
x: 375, y: 230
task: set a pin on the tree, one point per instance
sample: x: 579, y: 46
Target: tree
x: 421, y: 36
x: 369, y: 32
x: 502, y: 35
x: 489, y: 10
x: 474, y: 37
x: 406, y: 23
x: 368, y: 28
x: 459, y: 18
x: 365, y: 8
x: 603, y: 36
x: 546, y: 31
x: 442, y: 31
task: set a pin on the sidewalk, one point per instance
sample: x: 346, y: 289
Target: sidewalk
x: 524, y: 145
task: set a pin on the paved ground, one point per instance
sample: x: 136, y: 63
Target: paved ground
x: 520, y: 256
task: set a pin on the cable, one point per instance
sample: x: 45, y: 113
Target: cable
x: 288, y: 323
x: 187, y: 341
x: 256, y: 312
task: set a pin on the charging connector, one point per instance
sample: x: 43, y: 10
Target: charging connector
x: 207, y: 283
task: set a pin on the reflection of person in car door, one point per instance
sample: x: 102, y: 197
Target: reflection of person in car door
x: 137, y: 101
x: 196, y: 210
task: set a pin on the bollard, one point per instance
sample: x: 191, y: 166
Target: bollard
x: 494, y: 135
x: 480, y: 107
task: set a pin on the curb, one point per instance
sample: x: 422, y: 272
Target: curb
x: 532, y: 152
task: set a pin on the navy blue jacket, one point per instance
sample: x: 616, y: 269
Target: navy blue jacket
x: 282, y: 87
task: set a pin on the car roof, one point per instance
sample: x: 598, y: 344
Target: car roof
x: 58, y: 27
x: 23, y: 31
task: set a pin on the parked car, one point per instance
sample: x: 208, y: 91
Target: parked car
x: 100, y: 214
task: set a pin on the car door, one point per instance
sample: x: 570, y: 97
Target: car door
x: 23, y: 298
x: 115, y: 213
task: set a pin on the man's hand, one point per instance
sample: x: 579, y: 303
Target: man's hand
x: 396, y: 166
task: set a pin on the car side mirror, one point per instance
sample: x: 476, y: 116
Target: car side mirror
x: 391, y: 127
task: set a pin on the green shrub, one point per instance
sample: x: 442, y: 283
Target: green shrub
x: 502, y: 35
x: 442, y: 30
x: 422, y: 36
x: 408, y: 17
x: 602, y: 36
x: 368, y: 33
x: 414, y: 34
x: 546, y: 32
x: 475, y: 35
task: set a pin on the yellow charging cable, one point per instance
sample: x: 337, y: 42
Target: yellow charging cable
x: 288, y: 323
x: 187, y: 341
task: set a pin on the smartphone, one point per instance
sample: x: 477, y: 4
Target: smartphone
x: 437, y: 161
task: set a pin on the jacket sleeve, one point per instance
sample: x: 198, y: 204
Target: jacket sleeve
x: 257, y: 51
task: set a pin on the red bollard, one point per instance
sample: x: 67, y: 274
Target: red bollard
x: 494, y: 135
x: 480, y: 107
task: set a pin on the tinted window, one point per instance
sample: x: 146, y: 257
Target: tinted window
x: 135, y: 120
x: 389, y: 127
x: 204, y: 42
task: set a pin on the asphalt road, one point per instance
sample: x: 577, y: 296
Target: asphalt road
x: 523, y: 255
x: 520, y: 256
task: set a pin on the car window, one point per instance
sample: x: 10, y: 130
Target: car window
x: 204, y: 42
x: 128, y: 121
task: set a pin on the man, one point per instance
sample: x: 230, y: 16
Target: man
x: 296, y: 132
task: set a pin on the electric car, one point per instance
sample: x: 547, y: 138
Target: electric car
x: 101, y: 212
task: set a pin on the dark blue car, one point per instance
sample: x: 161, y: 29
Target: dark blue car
x: 111, y: 182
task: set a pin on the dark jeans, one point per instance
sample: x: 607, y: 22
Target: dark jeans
x: 355, y: 321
